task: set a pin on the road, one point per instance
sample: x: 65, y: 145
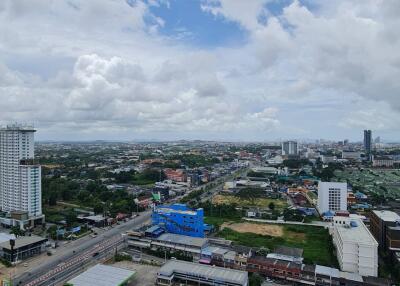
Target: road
x: 218, y: 184
x: 75, y: 256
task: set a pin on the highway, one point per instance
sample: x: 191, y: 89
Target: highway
x: 76, y: 256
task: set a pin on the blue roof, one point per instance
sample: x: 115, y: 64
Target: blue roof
x: 328, y: 214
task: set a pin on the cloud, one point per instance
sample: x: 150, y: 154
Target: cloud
x: 104, y: 67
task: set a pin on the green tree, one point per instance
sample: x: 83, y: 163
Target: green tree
x: 271, y: 206
x: 17, y: 231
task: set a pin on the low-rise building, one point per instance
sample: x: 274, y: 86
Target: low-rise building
x: 23, y: 248
x: 356, y: 248
x: 382, y: 161
x: 103, y: 275
x: 176, y: 271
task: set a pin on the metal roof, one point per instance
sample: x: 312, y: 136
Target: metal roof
x: 182, y: 239
x: 23, y: 241
x: 205, y: 271
x: 102, y: 275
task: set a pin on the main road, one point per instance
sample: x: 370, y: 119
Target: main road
x: 76, y: 254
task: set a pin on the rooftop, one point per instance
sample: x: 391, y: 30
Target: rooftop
x: 327, y: 271
x: 355, y: 232
x: 23, y: 241
x: 201, y: 270
x: 102, y: 275
x: 183, y: 239
x: 387, y: 215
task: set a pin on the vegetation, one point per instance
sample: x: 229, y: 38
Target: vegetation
x: 122, y: 257
x: 251, y: 200
x: 192, y: 160
x: 295, y: 163
x: 255, y: 279
x: 180, y: 255
x: 315, y: 241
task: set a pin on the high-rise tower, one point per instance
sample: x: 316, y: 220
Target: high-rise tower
x: 20, y: 175
x: 368, y: 143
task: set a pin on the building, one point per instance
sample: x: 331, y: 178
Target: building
x: 179, y: 219
x: 356, y: 248
x: 24, y: 247
x: 289, y: 148
x: 368, y: 143
x: 382, y: 161
x: 175, y: 175
x: 188, y: 273
x: 351, y: 155
x: 20, y: 175
x: 385, y: 226
x: 332, y: 196
x: 103, y: 275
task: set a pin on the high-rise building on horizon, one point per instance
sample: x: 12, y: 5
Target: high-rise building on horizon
x: 289, y: 148
x: 20, y: 175
x: 368, y: 143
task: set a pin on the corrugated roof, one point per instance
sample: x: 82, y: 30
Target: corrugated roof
x: 206, y: 271
x: 102, y: 275
x: 183, y: 239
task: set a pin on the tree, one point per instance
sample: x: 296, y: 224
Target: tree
x: 255, y: 279
x: 17, y: 231
x: 271, y: 206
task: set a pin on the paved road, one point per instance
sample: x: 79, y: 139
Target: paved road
x: 219, y: 183
x: 77, y: 254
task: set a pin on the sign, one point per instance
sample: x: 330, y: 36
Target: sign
x: 60, y: 231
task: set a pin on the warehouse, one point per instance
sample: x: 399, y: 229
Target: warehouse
x: 103, y: 275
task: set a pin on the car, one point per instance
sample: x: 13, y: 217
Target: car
x: 95, y: 254
x: 25, y: 264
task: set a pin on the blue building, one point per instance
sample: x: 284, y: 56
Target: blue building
x: 179, y: 219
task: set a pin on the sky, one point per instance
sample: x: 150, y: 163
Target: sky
x: 237, y: 70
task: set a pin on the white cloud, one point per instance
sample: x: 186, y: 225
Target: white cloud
x: 102, y: 66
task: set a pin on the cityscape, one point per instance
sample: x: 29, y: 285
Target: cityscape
x: 209, y: 142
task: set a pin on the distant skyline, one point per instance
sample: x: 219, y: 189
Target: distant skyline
x: 232, y: 70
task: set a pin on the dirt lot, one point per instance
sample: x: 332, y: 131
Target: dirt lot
x: 145, y: 274
x: 263, y: 229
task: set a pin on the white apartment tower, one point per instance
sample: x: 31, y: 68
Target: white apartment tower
x: 20, y: 176
x: 289, y: 148
x: 332, y: 196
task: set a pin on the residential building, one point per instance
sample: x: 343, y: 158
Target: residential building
x: 351, y: 155
x: 332, y: 196
x: 289, y: 148
x: 385, y: 226
x: 368, y: 143
x: 175, y: 175
x: 179, y: 219
x: 356, y: 248
x: 188, y: 273
x: 382, y: 161
x: 20, y: 175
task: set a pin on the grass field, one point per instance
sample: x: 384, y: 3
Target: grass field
x: 315, y: 241
x: 258, y: 202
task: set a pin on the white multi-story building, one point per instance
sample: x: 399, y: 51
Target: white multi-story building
x: 332, y: 196
x: 289, y: 148
x: 356, y: 248
x: 20, y: 176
